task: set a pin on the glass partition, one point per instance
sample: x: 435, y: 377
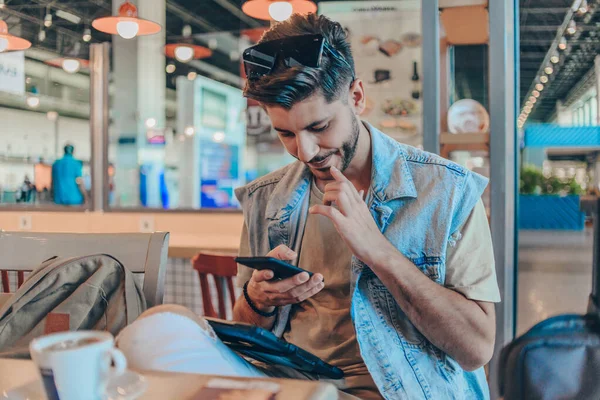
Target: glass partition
x: 44, y: 130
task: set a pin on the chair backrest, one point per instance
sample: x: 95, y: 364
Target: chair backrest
x: 140, y: 252
x: 223, y: 268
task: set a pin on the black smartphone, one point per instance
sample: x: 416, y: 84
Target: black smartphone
x: 281, y: 269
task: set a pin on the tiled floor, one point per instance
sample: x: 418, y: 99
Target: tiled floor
x: 555, y: 273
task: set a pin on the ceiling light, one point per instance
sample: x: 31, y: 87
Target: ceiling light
x: 212, y: 43
x: 2, y: 5
x: 548, y: 70
x: 218, y: 137
x: 184, y: 53
x: 87, y: 34
x: 555, y: 58
x: 189, y: 130
x: 127, y: 29
x: 170, y: 68
x: 28, y: 80
x: 150, y: 123
x: 48, y: 20
x: 529, y: 103
x: 562, y: 44
x: 68, y: 16
x: 583, y: 7
x: 186, y: 31
x: 544, y: 79
x: 42, y: 35
x: 71, y: 65
x: 33, y: 101
x: 192, y: 75
x: 278, y: 10
x: 234, y: 55
x: 572, y: 27
x: 539, y: 87
x: 10, y: 42
x: 532, y: 99
x: 52, y: 115
x: 535, y: 93
x: 126, y: 24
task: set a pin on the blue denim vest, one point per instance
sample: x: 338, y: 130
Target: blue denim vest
x: 419, y: 200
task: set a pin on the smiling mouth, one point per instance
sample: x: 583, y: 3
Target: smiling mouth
x: 321, y: 164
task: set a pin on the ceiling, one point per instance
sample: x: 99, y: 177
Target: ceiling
x: 223, y: 19
x: 539, y: 22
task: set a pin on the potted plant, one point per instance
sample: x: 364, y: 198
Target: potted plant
x: 549, y: 202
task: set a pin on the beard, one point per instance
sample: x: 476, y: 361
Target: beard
x: 348, y: 149
x: 349, y: 146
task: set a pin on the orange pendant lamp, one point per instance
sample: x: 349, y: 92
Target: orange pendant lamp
x: 71, y: 65
x: 126, y: 24
x: 278, y: 10
x: 10, y: 42
x: 185, y: 50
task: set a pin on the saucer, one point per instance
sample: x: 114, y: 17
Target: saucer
x: 127, y: 386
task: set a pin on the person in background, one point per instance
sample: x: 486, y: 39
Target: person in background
x: 26, y: 191
x: 67, y: 181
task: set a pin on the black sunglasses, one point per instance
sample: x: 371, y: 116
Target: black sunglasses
x: 303, y: 50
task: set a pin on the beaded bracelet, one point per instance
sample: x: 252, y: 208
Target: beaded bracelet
x: 254, y: 308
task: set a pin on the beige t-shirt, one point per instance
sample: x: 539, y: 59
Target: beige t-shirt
x: 322, y: 324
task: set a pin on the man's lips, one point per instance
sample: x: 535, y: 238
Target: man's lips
x: 321, y: 164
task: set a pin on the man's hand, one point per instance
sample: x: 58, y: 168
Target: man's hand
x: 267, y: 294
x: 351, y: 218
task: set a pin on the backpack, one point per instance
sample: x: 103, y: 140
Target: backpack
x: 94, y: 292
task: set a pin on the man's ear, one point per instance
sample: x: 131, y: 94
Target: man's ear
x: 356, y: 97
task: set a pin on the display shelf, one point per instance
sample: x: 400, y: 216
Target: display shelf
x: 450, y: 142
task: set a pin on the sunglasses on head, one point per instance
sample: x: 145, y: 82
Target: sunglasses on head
x: 303, y: 50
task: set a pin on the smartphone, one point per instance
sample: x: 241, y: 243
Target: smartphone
x: 281, y: 269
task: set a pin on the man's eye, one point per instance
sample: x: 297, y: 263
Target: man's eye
x: 320, y: 128
x: 286, y: 134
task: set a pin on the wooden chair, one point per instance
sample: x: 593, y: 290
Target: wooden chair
x: 223, y: 269
x: 145, y: 253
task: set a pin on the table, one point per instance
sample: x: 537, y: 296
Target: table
x: 187, y: 246
x: 167, y: 385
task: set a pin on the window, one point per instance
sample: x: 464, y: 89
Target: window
x: 45, y: 122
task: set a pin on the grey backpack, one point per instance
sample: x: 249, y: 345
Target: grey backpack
x: 91, y: 292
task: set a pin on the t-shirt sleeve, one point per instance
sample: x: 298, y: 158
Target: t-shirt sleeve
x: 470, y: 266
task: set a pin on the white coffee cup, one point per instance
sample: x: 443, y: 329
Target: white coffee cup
x: 76, y: 365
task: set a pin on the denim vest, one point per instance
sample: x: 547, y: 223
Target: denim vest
x: 419, y: 200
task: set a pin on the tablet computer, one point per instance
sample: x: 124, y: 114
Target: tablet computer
x: 262, y: 345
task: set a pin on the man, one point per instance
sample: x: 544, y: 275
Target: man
x: 67, y: 182
x: 404, y: 280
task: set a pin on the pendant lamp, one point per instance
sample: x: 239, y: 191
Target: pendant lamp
x: 278, y: 10
x: 126, y: 24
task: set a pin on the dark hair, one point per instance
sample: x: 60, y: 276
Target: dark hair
x: 287, y: 86
x: 69, y: 148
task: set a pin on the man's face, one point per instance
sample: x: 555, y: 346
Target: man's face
x: 319, y: 134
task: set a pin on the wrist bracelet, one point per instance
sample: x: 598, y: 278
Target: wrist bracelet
x: 253, y: 306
